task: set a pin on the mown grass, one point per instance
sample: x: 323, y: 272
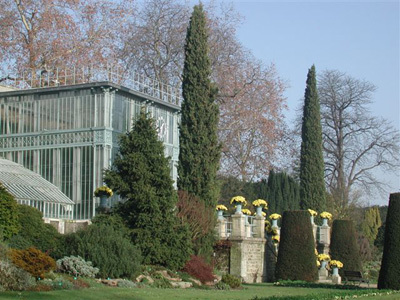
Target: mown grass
x: 249, y: 291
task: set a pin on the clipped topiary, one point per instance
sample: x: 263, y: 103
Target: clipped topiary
x: 33, y: 261
x: 296, y: 257
x: 344, y: 246
x: 389, y: 275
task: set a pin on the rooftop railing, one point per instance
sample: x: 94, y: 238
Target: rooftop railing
x: 30, y: 79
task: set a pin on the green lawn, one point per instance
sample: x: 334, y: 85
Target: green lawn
x: 103, y: 292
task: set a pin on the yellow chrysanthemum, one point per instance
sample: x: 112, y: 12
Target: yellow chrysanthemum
x: 323, y: 257
x: 276, y: 239
x: 246, y: 211
x: 326, y: 215
x: 262, y: 213
x: 221, y: 207
x: 336, y: 263
x: 260, y: 202
x: 103, y: 191
x: 238, y: 199
x: 312, y: 212
x: 275, y: 216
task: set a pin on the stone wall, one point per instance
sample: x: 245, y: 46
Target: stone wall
x: 247, y: 250
x: 67, y: 226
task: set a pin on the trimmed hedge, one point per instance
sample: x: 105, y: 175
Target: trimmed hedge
x: 344, y: 246
x: 389, y: 275
x: 296, y: 257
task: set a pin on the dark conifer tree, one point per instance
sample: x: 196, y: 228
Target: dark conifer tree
x: 199, y: 150
x: 283, y: 193
x: 389, y: 275
x: 312, y: 185
x: 140, y: 174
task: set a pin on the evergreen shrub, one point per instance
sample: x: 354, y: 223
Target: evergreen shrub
x: 76, y: 266
x: 344, y: 246
x: 35, y: 232
x: 199, y: 269
x: 107, y: 248
x: 389, y: 275
x: 13, y: 278
x: 123, y: 283
x: 9, y: 223
x: 222, y: 286
x: 141, y: 175
x: 296, y: 256
x: 33, y: 261
x: 231, y: 280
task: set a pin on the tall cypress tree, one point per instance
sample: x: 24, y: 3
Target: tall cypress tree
x: 199, y: 151
x: 140, y: 174
x: 199, y: 148
x: 282, y: 193
x: 312, y: 186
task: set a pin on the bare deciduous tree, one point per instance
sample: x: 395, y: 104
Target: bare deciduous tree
x: 250, y: 94
x: 355, y: 143
x: 43, y: 34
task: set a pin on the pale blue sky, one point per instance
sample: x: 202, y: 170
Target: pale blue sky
x: 360, y: 38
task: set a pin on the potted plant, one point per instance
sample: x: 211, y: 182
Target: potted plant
x: 335, y: 265
x: 103, y: 192
x: 325, y: 217
x: 313, y: 214
x: 220, y: 210
x: 274, y: 218
x: 259, y: 204
x: 239, y: 201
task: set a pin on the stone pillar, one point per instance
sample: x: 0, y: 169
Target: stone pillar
x: 323, y: 272
x: 314, y: 230
x: 324, y: 239
x: 221, y: 229
x: 259, y: 227
x: 247, y: 252
x: 336, y: 279
x: 238, y: 226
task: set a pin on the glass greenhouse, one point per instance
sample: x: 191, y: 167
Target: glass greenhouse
x: 32, y: 189
x: 68, y: 132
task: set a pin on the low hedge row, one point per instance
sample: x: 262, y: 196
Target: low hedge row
x: 336, y: 296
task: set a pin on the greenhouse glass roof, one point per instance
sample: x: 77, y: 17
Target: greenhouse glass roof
x: 24, y: 184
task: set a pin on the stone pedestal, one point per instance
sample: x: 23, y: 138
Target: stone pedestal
x: 221, y: 229
x: 247, y: 259
x: 314, y: 230
x: 259, y: 227
x: 248, y: 228
x: 324, y: 239
x: 238, y: 226
x: 322, y: 274
x: 336, y: 279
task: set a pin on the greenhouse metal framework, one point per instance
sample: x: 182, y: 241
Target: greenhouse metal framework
x: 67, y: 129
x: 31, y: 189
